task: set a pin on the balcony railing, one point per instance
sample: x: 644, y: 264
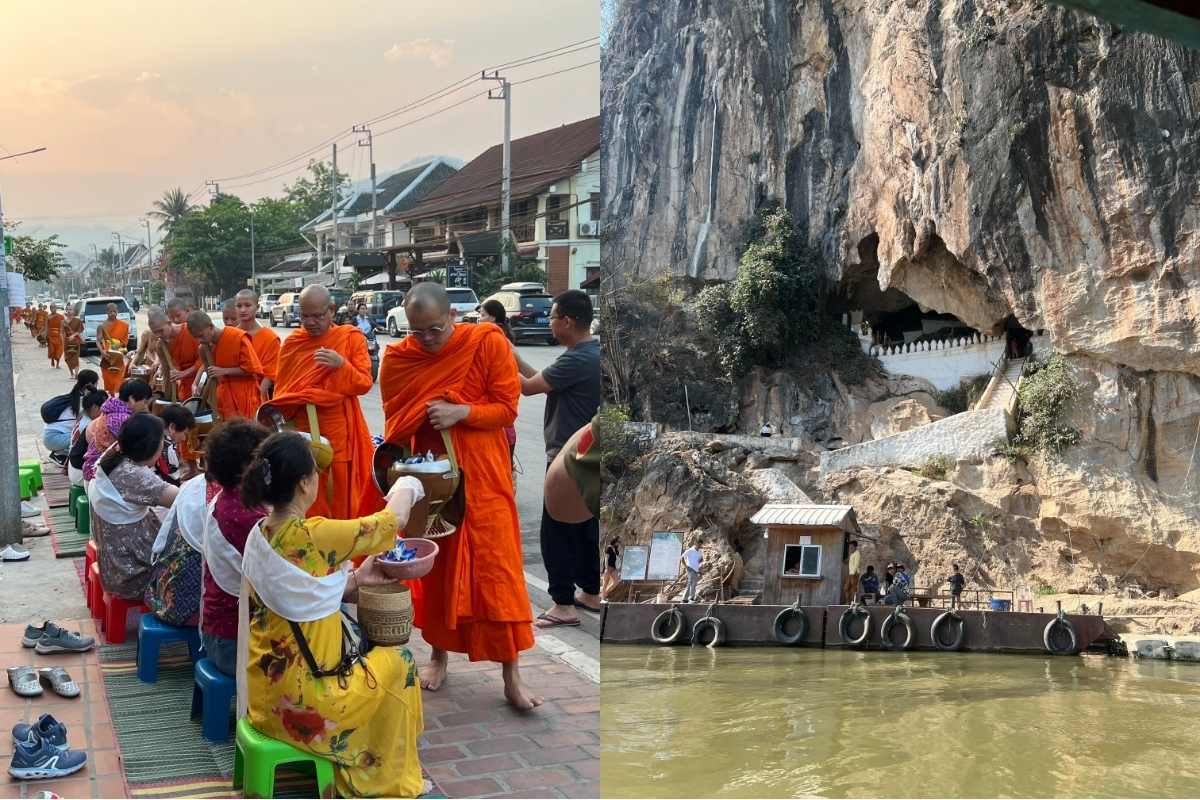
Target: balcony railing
x: 524, y: 232
x: 556, y: 229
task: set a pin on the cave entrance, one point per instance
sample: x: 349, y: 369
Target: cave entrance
x: 1018, y: 339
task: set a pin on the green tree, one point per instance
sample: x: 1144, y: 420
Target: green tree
x: 212, y: 245
x: 313, y: 196
x: 38, y: 259
x: 770, y: 307
x: 173, y: 207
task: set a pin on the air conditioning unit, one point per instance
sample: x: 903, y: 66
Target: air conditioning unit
x: 358, y: 240
x: 589, y: 228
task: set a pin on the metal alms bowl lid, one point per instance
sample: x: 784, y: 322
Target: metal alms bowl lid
x: 385, y: 456
x: 271, y: 418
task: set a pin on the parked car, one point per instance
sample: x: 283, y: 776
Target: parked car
x: 265, y: 302
x: 379, y: 303
x: 94, y: 310
x: 71, y: 298
x: 58, y: 302
x: 461, y: 300
x: 286, y: 310
x: 528, y: 312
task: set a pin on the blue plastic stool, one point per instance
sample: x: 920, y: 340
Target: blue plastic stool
x: 153, y: 633
x: 211, y: 695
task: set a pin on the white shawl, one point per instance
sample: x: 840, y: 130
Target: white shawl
x: 107, y: 502
x: 188, y: 511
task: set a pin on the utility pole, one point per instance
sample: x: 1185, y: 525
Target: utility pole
x: 374, y: 198
x: 147, y: 273
x: 216, y: 190
x: 10, y: 487
x: 333, y: 212
x: 253, y: 268
x: 505, y: 191
x: 121, y: 254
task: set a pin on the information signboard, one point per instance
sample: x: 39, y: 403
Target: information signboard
x: 633, y: 562
x: 665, y: 552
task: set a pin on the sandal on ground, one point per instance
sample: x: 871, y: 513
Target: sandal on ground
x: 31, y: 530
x: 555, y: 622
x: 24, y: 681
x: 9, y: 554
x: 58, y: 680
x: 586, y: 607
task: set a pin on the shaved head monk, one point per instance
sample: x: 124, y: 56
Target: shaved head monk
x: 266, y: 341
x: 112, y: 339
x: 327, y: 366
x: 463, y: 379
x: 182, y: 347
x: 235, y: 365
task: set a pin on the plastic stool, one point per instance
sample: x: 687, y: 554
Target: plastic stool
x: 36, y: 466
x: 74, y: 495
x: 255, y: 758
x: 96, y: 595
x: 83, y: 516
x: 89, y: 558
x: 212, y: 692
x: 116, y: 613
x: 153, y: 633
x: 28, y: 481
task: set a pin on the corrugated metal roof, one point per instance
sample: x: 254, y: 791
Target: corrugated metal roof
x: 835, y: 516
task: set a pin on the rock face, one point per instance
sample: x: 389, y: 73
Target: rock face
x: 984, y: 157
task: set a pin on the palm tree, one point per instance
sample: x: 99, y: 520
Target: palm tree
x: 171, y: 209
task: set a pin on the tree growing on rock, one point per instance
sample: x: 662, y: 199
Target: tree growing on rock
x: 770, y: 307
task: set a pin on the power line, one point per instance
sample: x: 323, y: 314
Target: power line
x: 560, y: 72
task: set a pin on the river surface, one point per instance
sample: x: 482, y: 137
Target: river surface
x: 770, y: 722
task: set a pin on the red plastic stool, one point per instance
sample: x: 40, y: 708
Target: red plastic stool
x: 116, y: 612
x: 96, y: 594
x: 89, y: 559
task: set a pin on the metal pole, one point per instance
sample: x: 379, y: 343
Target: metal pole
x: 10, y: 498
x: 253, y: 268
x: 506, y: 178
x: 333, y: 212
x: 149, y: 258
x: 374, y: 197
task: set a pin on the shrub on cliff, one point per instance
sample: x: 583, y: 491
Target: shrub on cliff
x: 1047, y: 389
x: 770, y: 307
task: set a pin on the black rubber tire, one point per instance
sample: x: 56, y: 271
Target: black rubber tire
x: 910, y: 629
x: 718, y: 629
x: 1048, y: 637
x: 953, y: 619
x: 393, y: 331
x: 798, y: 636
x: 670, y: 616
x: 844, y: 627
x: 273, y: 323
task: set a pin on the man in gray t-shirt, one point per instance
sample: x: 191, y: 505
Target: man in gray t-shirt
x: 572, y: 388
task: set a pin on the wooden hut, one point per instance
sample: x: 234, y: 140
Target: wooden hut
x: 807, y: 550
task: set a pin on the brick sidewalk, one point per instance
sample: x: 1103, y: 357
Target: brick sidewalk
x: 477, y: 745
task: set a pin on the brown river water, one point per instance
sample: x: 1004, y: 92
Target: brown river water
x: 774, y: 722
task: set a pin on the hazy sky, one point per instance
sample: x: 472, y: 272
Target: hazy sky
x: 134, y: 97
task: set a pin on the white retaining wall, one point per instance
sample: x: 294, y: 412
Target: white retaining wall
x: 941, y: 363
x: 970, y: 436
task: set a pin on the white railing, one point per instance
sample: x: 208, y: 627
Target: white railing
x: 903, y: 348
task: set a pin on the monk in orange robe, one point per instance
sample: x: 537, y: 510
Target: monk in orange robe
x: 72, y: 329
x: 463, y: 378
x: 112, y: 338
x: 235, y: 366
x: 39, y: 321
x: 328, y: 366
x: 183, y: 348
x: 266, y: 341
x: 54, y: 336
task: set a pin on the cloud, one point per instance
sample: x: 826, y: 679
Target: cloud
x: 437, y: 54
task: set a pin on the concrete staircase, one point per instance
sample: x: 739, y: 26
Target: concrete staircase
x: 750, y: 587
x: 1003, y: 386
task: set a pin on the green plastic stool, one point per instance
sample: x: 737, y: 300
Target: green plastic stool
x: 36, y: 466
x: 28, y: 482
x: 74, y: 495
x: 83, y: 516
x: 256, y: 756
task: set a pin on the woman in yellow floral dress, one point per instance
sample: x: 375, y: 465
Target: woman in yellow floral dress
x: 367, y: 719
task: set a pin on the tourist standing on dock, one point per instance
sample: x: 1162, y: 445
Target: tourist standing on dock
x: 956, y: 581
x: 692, y: 558
x: 852, y: 580
x: 610, y: 579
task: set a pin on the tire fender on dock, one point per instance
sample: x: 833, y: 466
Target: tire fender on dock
x: 718, y: 629
x: 953, y: 619
x: 898, y: 617
x: 1060, y: 622
x: 672, y: 620
x: 782, y: 618
x: 852, y: 613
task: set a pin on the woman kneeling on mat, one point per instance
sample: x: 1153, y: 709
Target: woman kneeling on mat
x: 298, y: 664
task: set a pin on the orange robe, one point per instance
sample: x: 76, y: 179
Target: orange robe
x: 335, y: 392
x: 474, y: 601
x: 185, y: 352
x: 73, y: 343
x: 39, y: 322
x: 117, y: 330
x: 237, y: 396
x: 266, y: 345
x: 54, y: 337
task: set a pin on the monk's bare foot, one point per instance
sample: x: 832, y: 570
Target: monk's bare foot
x: 434, y: 675
x: 515, y: 691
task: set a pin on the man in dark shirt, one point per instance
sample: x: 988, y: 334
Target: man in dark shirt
x: 572, y: 388
x: 870, y: 583
x: 956, y: 581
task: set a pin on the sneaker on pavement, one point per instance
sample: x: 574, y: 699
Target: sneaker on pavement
x: 31, y: 530
x: 62, y: 641
x: 47, y: 728
x: 29, y: 510
x: 58, y: 458
x: 44, y: 761
x: 9, y: 554
x: 34, y: 633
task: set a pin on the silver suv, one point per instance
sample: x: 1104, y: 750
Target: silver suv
x: 461, y: 300
x: 94, y: 310
x: 286, y: 310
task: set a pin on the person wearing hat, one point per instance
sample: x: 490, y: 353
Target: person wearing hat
x: 851, y: 590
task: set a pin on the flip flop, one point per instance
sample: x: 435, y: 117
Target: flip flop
x: 59, y: 681
x: 555, y: 622
x: 586, y: 607
x: 24, y: 681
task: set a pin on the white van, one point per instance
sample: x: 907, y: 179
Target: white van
x: 461, y: 300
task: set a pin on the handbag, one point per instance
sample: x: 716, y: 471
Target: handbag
x: 354, y: 646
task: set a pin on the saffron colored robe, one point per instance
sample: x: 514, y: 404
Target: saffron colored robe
x: 237, y: 396
x: 474, y: 601
x: 116, y: 330
x: 185, y: 352
x: 266, y: 346
x: 39, y: 322
x: 54, y: 337
x: 73, y: 342
x: 335, y: 392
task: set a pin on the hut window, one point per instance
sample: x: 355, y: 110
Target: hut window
x: 802, y: 561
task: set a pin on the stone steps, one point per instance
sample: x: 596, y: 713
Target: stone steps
x: 1004, y: 390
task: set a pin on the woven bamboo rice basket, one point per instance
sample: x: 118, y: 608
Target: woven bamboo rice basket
x: 386, y: 613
